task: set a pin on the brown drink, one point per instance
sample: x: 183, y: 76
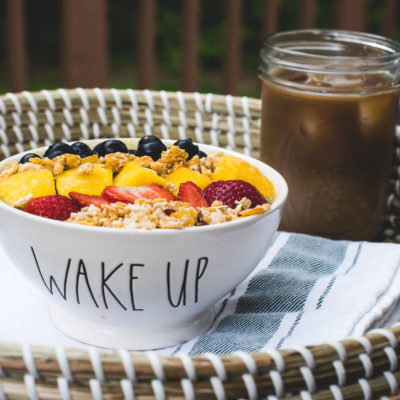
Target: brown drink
x: 328, y: 124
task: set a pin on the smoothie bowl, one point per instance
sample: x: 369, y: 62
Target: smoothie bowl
x: 133, y: 249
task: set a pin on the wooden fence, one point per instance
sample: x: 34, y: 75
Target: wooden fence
x: 85, y: 38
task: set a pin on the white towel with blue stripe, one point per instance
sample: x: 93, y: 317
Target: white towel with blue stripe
x: 306, y: 290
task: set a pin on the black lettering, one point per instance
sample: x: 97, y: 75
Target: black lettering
x: 132, y: 278
x: 182, y: 295
x: 82, y: 271
x: 52, y: 281
x: 104, y: 285
x: 199, y: 275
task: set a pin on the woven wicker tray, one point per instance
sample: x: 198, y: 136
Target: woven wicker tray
x: 356, y: 368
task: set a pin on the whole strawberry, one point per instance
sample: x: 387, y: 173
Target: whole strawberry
x: 55, y: 207
x: 229, y: 192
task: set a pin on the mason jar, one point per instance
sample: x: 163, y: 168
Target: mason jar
x: 329, y: 105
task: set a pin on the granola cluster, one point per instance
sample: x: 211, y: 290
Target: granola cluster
x: 161, y: 214
x: 170, y: 160
x: 56, y: 166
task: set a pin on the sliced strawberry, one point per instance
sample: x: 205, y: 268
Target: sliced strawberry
x: 191, y: 193
x: 85, y: 200
x: 54, y: 207
x: 230, y: 192
x: 129, y: 194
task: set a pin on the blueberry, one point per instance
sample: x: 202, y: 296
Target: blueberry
x: 188, y: 145
x: 82, y: 149
x: 27, y: 157
x: 133, y: 152
x: 148, y: 139
x: 57, y: 149
x: 202, y: 154
x: 110, y: 146
x: 99, y: 149
x: 150, y: 146
x: 115, y: 146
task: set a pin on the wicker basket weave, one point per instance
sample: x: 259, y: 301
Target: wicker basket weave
x: 364, y: 367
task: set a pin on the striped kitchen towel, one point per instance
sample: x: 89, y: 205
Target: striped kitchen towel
x: 306, y: 290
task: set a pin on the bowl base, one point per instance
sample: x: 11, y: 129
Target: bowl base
x: 128, y: 337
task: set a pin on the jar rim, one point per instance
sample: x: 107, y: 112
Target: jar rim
x: 330, y: 50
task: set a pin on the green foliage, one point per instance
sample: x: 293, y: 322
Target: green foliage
x: 168, y: 35
x: 122, y: 33
x: 211, y: 38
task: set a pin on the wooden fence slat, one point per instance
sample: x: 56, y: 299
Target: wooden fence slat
x: 307, y: 16
x: 351, y: 15
x: 190, y: 49
x: 16, y: 46
x: 389, y: 18
x: 85, y: 47
x: 232, y: 46
x: 146, y: 50
x: 271, y: 15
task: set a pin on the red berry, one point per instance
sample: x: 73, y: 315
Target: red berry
x: 129, y: 194
x: 55, y: 207
x: 229, y: 192
x: 191, y: 193
x: 85, y: 200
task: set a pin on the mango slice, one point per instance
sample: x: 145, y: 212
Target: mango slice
x: 38, y: 183
x: 93, y: 183
x: 231, y: 167
x: 184, y: 174
x: 133, y: 174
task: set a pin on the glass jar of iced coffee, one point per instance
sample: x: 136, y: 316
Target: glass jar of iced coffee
x: 329, y: 105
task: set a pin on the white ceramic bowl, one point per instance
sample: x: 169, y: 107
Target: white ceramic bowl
x: 137, y: 289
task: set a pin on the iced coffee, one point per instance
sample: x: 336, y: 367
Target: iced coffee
x: 328, y: 124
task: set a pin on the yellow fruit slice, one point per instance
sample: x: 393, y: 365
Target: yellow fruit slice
x: 93, y: 183
x: 38, y: 183
x: 184, y: 174
x: 133, y: 174
x: 231, y: 167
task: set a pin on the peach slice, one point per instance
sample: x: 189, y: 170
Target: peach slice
x: 184, y: 174
x: 36, y: 183
x: 133, y: 174
x: 231, y: 168
x: 92, y: 183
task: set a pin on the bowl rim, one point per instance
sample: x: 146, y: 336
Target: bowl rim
x: 280, y: 185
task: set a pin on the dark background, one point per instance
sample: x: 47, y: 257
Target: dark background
x: 44, y: 41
